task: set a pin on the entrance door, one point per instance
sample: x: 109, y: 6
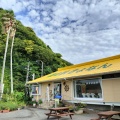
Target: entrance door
x: 57, y: 89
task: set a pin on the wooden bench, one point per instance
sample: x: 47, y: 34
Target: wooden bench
x: 107, y: 115
x: 115, y: 117
x: 103, y: 117
x: 59, y: 112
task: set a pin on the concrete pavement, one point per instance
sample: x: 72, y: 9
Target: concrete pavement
x: 39, y: 114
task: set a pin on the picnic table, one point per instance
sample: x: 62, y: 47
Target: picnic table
x: 59, y: 112
x: 107, y: 115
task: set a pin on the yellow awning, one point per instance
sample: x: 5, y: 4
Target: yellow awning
x: 102, y: 66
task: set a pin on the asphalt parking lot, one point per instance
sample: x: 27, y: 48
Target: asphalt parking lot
x: 39, y: 114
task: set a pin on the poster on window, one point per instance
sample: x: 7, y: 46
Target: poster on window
x: 83, y: 88
x: 35, y: 90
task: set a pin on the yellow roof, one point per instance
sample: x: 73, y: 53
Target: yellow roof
x: 101, y: 66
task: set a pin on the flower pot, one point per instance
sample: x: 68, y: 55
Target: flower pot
x: 39, y: 105
x: 5, y: 111
x: 0, y: 111
x: 79, y: 111
x: 34, y: 104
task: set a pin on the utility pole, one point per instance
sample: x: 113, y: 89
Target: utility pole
x: 41, y: 68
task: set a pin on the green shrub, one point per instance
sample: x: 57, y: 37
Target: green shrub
x: 5, y: 97
x: 79, y: 106
x: 13, y: 106
x: 34, y: 101
x: 19, y: 96
x: 0, y: 107
x: 16, y: 96
x: 28, y: 100
x: 8, y: 105
x: 40, y: 101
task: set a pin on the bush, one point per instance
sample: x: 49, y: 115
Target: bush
x: 0, y: 106
x: 19, y: 96
x: 79, y: 106
x: 34, y: 102
x: 8, y: 106
x: 5, y: 97
x: 13, y: 106
x: 40, y: 101
x: 16, y: 96
x: 28, y: 100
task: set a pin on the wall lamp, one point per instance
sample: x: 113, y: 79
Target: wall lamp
x: 64, y: 83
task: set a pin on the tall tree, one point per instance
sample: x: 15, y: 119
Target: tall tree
x: 8, y: 24
x: 11, y: 61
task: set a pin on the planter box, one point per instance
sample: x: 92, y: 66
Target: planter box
x: 79, y: 111
x: 5, y: 111
x: 0, y: 111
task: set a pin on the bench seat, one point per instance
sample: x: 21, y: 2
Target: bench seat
x: 103, y: 117
x: 115, y: 117
x: 59, y: 114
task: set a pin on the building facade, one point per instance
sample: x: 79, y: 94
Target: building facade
x: 94, y: 82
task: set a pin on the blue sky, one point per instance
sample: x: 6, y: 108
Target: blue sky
x: 81, y: 30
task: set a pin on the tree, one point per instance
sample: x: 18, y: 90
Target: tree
x: 8, y: 27
x: 8, y: 24
x: 13, y: 36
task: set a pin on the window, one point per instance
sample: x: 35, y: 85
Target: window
x: 114, y: 75
x: 89, y: 88
x: 57, y: 89
x: 35, y: 90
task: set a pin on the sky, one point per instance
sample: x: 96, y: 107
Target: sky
x: 80, y: 30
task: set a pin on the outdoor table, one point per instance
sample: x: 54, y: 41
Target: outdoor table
x: 59, y: 111
x: 107, y: 115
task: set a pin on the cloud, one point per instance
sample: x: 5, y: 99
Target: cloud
x: 81, y: 30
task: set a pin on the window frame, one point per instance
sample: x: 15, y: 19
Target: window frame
x: 39, y: 89
x: 86, y: 99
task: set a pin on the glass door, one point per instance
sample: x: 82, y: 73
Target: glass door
x: 57, y: 89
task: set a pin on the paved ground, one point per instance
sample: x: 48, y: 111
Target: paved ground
x: 38, y: 114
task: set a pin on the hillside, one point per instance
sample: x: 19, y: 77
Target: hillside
x: 28, y: 48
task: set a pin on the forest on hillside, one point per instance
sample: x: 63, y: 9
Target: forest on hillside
x: 27, y: 49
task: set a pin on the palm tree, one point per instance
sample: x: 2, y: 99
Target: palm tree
x: 8, y: 28
x: 8, y: 24
x: 11, y: 69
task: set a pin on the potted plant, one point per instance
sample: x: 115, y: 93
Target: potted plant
x: 79, y: 108
x: 34, y: 103
x: 0, y: 109
x: 5, y: 109
x: 71, y: 108
x: 40, y: 102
